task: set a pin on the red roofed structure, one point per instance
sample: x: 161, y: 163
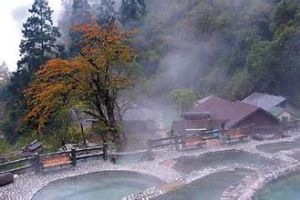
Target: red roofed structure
x: 234, y: 114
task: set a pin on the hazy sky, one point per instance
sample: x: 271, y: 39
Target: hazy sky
x: 13, y: 13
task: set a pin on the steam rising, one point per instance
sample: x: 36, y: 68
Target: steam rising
x: 187, y: 47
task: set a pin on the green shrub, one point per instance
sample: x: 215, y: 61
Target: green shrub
x: 4, y: 146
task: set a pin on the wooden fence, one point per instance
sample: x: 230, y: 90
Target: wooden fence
x: 178, y: 142
x: 292, y: 125
x: 21, y: 165
x: 171, y: 142
x: 16, y: 166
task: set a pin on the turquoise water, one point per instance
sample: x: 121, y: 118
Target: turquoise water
x: 296, y: 156
x: 287, y: 188
x: 208, y: 188
x: 280, y: 146
x: 276, y: 147
x: 220, y: 158
x: 130, y: 158
x: 109, y: 185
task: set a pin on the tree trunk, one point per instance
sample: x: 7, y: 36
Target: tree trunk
x: 83, y: 136
x: 104, y: 146
x: 110, y: 106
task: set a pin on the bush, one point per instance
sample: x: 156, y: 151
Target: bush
x: 4, y: 146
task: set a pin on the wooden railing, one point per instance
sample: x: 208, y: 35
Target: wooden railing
x: 292, y: 125
x: 173, y: 142
x: 178, y: 142
x: 34, y: 162
x: 91, y: 152
x: 16, y: 166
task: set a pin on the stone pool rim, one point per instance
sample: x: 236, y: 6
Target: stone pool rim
x: 282, y: 176
x: 249, y: 188
x: 132, y: 172
x: 28, y: 184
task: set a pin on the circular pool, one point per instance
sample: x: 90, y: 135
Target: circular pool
x: 279, y: 146
x: 210, y: 187
x: 188, y: 164
x: 283, y: 188
x: 112, y: 185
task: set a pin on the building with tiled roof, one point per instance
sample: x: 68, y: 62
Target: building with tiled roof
x: 276, y: 105
x: 235, y: 113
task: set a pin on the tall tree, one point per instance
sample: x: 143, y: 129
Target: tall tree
x: 184, y: 99
x: 81, y: 14
x: 4, y: 74
x: 4, y: 80
x: 107, y: 13
x: 39, y: 44
x: 94, y: 78
x: 132, y: 11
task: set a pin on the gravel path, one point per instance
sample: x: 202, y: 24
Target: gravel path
x: 25, y: 186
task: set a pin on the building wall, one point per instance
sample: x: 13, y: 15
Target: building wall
x: 286, y: 115
x: 259, y: 118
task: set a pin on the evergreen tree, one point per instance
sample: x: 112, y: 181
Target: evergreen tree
x: 81, y: 14
x: 39, y: 42
x: 4, y: 79
x: 132, y: 11
x: 4, y: 74
x: 107, y: 14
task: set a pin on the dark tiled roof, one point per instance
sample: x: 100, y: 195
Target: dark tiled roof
x: 265, y: 101
x: 230, y: 112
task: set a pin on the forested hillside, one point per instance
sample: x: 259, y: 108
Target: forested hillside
x: 230, y: 48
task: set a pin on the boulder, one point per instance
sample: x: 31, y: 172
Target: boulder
x: 6, y: 179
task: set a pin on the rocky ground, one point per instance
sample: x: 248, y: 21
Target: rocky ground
x: 26, y: 185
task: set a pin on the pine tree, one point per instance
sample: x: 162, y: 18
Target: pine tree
x: 132, y: 11
x: 81, y: 14
x: 4, y: 73
x: 4, y: 79
x: 107, y: 14
x: 39, y: 42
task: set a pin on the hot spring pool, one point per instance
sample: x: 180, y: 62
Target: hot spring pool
x: 220, y: 158
x: 286, y: 188
x: 280, y: 146
x: 108, y: 185
x: 208, y: 188
x: 129, y: 158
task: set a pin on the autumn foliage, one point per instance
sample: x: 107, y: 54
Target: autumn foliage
x: 94, y: 77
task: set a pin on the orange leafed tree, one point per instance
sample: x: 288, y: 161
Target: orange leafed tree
x: 94, y: 78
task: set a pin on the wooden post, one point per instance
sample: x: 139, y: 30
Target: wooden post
x: 37, y: 163
x: 105, y: 146
x: 176, y: 143
x: 73, y: 157
x: 149, y: 146
x: 183, y: 147
x: 149, y: 151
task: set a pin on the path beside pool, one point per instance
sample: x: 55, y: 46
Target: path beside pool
x: 26, y: 185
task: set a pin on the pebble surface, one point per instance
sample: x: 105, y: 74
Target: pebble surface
x: 26, y: 185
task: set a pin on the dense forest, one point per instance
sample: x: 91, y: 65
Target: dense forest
x: 230, y: 48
